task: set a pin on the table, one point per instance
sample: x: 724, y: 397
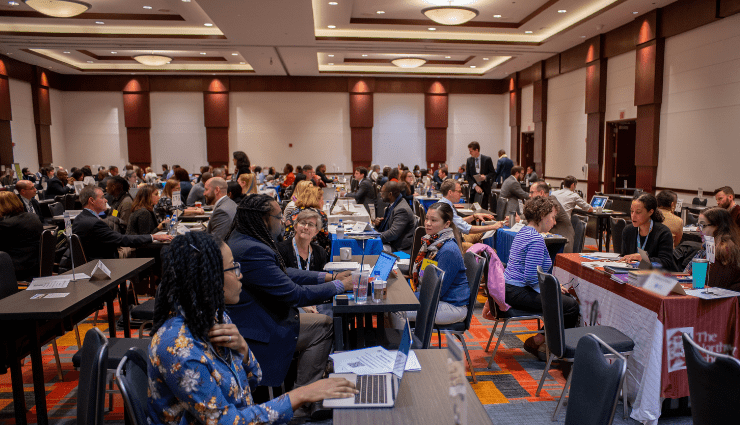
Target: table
x: 603, y: 224
x: 694, y: 208
x: 372, y: 246
x: 620, y: 202
x: 360, y: 214
x: 504, y: 237
x: 198, y: 217
x: 400, y: 298
x: 657, y: 368
x: 426, y: 201
x: 423, y: 398
x: 29, y: 324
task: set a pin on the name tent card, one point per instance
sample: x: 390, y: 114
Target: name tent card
x: 100, y: 270
x: 662, y: 285
x: 176, y: 200
x: 476, y: 206
x: 709, y: 243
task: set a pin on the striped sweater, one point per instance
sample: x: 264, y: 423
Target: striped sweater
x: 528, y: 251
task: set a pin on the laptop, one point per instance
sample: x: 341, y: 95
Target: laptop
x: 384, y: 265
x: 599, y: 201
x: 375, y: 390
x: 645, y: 263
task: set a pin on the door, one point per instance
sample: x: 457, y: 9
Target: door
x: 527, y: 152
x: 620, y: 155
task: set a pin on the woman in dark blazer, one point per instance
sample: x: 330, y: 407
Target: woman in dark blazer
x: 143, y: 221
x: 20, y: 235
x: 648, y: 233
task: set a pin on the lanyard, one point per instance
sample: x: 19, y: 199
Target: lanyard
x: 646, y: 237
x: 298, y: 256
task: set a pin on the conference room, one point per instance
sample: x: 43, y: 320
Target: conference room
x: 621, y: 104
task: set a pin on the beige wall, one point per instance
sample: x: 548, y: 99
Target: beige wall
x: 475, y: 117
x: 22, y: 128
x: 178, y: 133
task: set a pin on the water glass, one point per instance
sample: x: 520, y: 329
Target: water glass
x: 361, y: 297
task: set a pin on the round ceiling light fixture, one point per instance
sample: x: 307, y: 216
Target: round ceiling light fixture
x: 408, y: 62
x: 450, y: 15
x: 153, y: 60
x: 58, y: 8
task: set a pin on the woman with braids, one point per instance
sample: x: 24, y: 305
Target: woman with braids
x: 272, y: 293
x: 647, y: 232
x: 528, y: 251
x: 201, y: 369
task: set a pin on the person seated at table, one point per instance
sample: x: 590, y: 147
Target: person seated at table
x: 528, y: 251
x: 27, y: 195
x: 460, y: 173
x: 725, y: 198
x: 471, y: 234
x: 290, y: 207
x: 143, y: 221
x: 196, y: 193
x: 28, y: 175
x: 248, y: 182
x: 439, y: 177
x: 164, y: 206
x: 531, y: 175
x: 119, y: 200
x: 272, y: 293
x: 223, y: 207
x: 511, y: 190
x: 20, y: 235
x: 393, y: 175
x: 397, y: 226
x: 201, y: 369
x: 563, y: 226
x: 310, y: 199
x: 568, y: 197
x: 234, y: 192
x: 182, y: 175
x: 667, y: 200
x: 98, y: 240
x: 54, y: 186
x: 725, y: 271
x: 365, y: 190
x: 383, y: 177
x: 648, y: 232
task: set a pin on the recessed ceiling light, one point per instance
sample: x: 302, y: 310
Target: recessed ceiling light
x: 472, y: 66
x: 583, y: 36
x: 235, y: 54
x: 202, y: 53
x: 89, y: 61
x: 113, y: 53
x: 448, y: 57
x: 208, y: 24
x: 364, y: 56
x: 100, y: 22
x: 496, y: 16
x: 331, y: 56
x: 13, y: 3
x: 527, y: 32
x: 331, y: 64
x: 242, y: 63
x: 332, y: 26
x: 67, y: 52
x: 635, y: 13
x: 432, y: 29
x: 485, y: 59
x: 380, y: 12
x: 333, y: 3
x: 147, y: 7
x: 562, y: 11
x: 186, y: 1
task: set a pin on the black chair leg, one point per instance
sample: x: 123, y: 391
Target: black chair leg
x: 498, y: 341
x: 439, y: 339
x: 461, y: 337
x: 490, y: 338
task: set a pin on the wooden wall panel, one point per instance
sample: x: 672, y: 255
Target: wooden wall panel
x: 516, y: 137
x: 530, y: 74
x: 540, y: 147
x: 362, y: 147
x: 594, y: 138
x: 620, y: 40
x: 217, y: 146
x: 282, y: 84
x: 728, y: 8
x: 515, y: 108
x: 5, y: 110
x: 539, y: 103
x: 647, y: 26
x: 216, y: 109
x: 216, y: 84
x: 461, y: 86
x: 596, y: 86
x: 361, y: 85
x: 136, y: 110
x: 435, y: 111
x: 139, y: 146
x: 6, y: 143
x: 138, y: 84
x: 173, y: 83
x: 649, y: 72
x: 43, y: 144
x: 361, y: 110
x: 42, y: 108
x: 400, y: 85
x: 685, y: 15
x: 578, y: 56
x: 552, y: 66
x: 436, y: 146
x: 648, y: 130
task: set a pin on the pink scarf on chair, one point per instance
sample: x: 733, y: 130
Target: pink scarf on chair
x: 495, y: 282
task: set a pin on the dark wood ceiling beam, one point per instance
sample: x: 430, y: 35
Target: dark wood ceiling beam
x: 88, y: 35
x: 95, y: 16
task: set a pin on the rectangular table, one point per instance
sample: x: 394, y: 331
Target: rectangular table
x: 657, y: 367
x: 603, y: 224
x: 400, y: 298
x: 26, y: 325
x: 372, y: 246
x: 423, y: 398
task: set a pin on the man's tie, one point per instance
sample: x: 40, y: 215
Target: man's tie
x: 477, y: 164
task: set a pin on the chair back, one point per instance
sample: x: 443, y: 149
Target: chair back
x: 552, y: 312
x: 609, y: 203
x: 93, y: 370
x: 713, y: 386
x: 501, y: 208
x: 618, y: 225
x: 637, y: 193
x: 699, y: 201
x: 422, y: 216
x: 419, y: 232
x: 69, y: 201
x: 133, y: 383
x: 579, y: 233
x: 78, y: 251
x: 579, y: 192
x: 595, y: 384
x: 47, y: 252
x: 474, y: 265
x: 691, y: 218
x: 56, y: 208
x: 431, y: 285
x: 8, y: 282
x: 417, y: 207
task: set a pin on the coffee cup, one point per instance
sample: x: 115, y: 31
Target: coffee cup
x: 345, y: 254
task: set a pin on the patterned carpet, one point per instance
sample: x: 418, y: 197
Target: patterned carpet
x: 506, y: 390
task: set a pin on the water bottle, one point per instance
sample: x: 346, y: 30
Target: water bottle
x: 429, y: 192
x: 327, y: 207
x: 340, y: 230
x: 173, y: 225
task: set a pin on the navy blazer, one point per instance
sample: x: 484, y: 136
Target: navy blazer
x: 486, y: 170
x: 98, y: 240
x: 503, y: 169
x: 55, y: 187
x: 267, y: 313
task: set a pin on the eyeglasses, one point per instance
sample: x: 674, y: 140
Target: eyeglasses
x: 701, y: 226
x: 237, y: 269
x: 306, y: 224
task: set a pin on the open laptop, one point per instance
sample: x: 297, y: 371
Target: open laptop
x: 599, y: 201
x: 375, y: 390
x: 645, y: 263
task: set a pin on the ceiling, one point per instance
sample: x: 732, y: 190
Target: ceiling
x: 295, y: 37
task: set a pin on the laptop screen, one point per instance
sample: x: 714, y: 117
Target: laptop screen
x: 403, y: 351
x: 598, y: 201
x: 384, y: 265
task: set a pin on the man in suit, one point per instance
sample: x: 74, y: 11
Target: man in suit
x: 28, y: 175
x: 483, y: 165
x: 439, y: 177
x: 27, y: 194
x: 397, y: 226
x: 224, y: 208
x: 365, y: 190
x: 98, y: 240
x: 54, y: 186
x: 196, y: 193
x: 503, y: 167
x: 563, y: 225
x: 512, y: 191
x: 271, y: 293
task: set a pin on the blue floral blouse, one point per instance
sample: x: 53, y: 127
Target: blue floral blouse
x: 189, y: 383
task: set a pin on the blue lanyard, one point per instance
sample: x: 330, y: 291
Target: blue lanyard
x: 298, y: 256
x: 646, y: 237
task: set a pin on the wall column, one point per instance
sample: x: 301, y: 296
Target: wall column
x: 539, y: 116
x: 6, y: 141
x: 515, y: 117
x: 648, y: 97
x: 216, y: 112
x: 361, y: 120
x: 595, y: 110
x: 42, y: 115
x: 138, y: 120
x: 436, y: 109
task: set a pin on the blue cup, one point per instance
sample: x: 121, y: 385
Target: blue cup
x: 699, y: 268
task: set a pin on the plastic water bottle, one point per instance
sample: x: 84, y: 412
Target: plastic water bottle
x: 327, y: 207
x: 173, y: 225
x: 429, y: 192
x: 340, y: 230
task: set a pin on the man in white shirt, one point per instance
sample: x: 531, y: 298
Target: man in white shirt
x: 27, y: 194
x: 569, y: 199
x: 471, y: 234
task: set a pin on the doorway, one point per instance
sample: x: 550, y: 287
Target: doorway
x: 526, y: 159
x: 620, y: 155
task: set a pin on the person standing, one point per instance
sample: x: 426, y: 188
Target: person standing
x: 483, y: 165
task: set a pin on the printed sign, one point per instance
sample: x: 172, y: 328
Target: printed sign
x: 674, y: 347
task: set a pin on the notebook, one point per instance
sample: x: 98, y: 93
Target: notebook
x: 378, y: 390
x: 599, y: 201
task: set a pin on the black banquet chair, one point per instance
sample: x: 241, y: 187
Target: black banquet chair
x: 618, y: 225
x: 713, y: 386
x: 133, y: 383
x: 91, y: 386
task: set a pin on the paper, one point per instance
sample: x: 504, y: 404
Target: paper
x: 79, y: 186
x: 604, y: 255
x: 370, y: 361
x: 478, y: 178
x: 488, y: 234
x: 679, y: 204
x: 476, y: 206
x: 359, y: 227
x: 341, y: 266
x: 51, y: 295
x: 100, y: 268
x: 714, y: 293
x: 465, y: 211
x: 176, y: 201
x: 709, y: 244
x: 517, y: 227
x: 53, y: 282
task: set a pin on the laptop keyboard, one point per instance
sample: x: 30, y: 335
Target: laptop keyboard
x: 372, y: 389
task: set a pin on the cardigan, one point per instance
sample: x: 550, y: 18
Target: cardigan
x: 142, y: 222
x: 659, y: 246
x: 455, y: 289
x: 319, y: 257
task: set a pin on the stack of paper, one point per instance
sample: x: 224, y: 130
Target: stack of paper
x: 370, y: 361
x: 53, y: 282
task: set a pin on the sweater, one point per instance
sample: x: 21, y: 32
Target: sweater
x: 659, y: 245
x: 455, y: 289
x: 528, y: 251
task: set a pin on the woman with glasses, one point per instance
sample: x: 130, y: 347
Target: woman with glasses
x: 725, y: 271
x: 310, y: 199
x: 647, y: 232
x: 201, y: 369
